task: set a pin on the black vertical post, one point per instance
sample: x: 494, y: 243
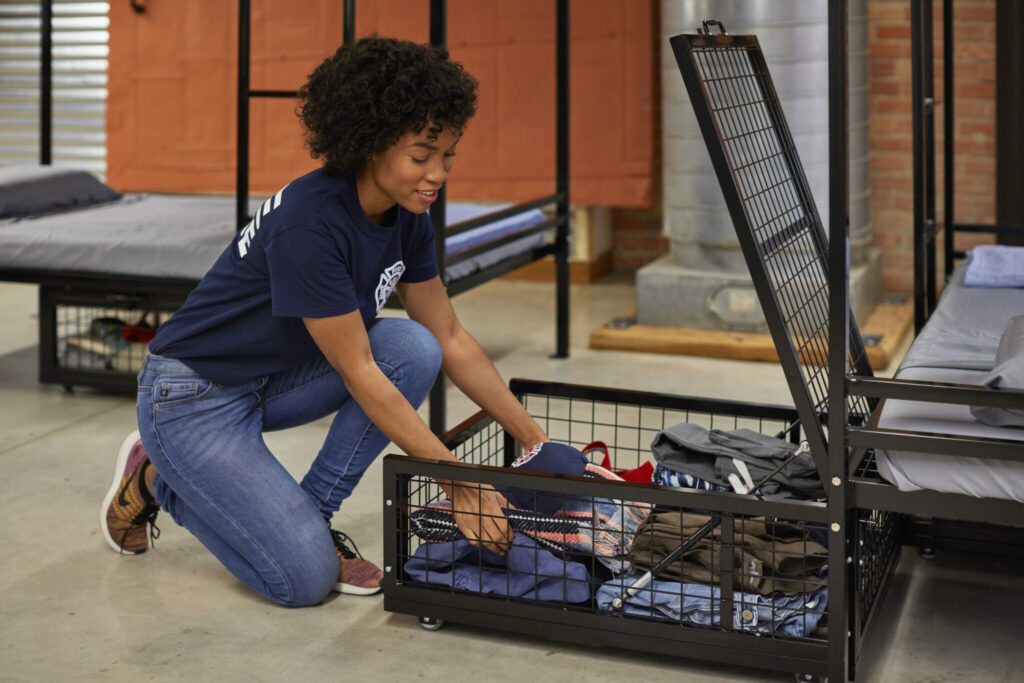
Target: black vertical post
x: 949, y: 174
x: 438, y: 408
x: 917, y: 111
x: 928, y: 105
x: 1009, y: 113
x: 562, y: 178
x: 838, y: 360
x: 349, y: 27
x: 242, y: 142
x: 46, y: 83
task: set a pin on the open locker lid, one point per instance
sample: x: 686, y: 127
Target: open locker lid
x: 776, y: 221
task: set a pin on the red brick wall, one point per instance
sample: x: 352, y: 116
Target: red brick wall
x: 637, y: 237
x: 891, y: 125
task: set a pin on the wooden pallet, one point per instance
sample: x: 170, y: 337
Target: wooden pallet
x: 884, y: 332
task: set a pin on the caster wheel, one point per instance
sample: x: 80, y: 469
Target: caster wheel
x: 431, y: 623
x: 810, y: 678
x: 926, y: 553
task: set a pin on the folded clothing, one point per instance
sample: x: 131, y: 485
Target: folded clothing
x: 600, y: 527
x: 738, y: 457
x: 791, y: 614
x: 767, y: 556
x: 995, y: 265
x: 525, y: 571
x: 663, y: 476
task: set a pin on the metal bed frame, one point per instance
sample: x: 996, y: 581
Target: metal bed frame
x: 932, y: 533
x: 557, y: 203
x: 846, y: 459
x: 801, y: 274
x: 927, y: 228
x: 577, y: 414
x: 62, y: 289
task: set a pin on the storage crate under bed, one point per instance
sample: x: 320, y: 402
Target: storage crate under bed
x: 570, y: 595
x: 98, y: 337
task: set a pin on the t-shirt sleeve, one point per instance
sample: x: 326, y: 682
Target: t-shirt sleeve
x: 309, y: 277
x: 420, y: 257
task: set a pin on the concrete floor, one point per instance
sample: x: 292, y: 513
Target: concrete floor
x: 70, y: 609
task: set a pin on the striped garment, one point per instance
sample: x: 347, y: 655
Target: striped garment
x: 601, y: 527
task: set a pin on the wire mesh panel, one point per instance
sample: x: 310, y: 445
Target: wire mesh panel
x: 771, y: 207
x: 745, y: 574
x: 99, y: 338
x: 877, y: 535
x: 104, y: 339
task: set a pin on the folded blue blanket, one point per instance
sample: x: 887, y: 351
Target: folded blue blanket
x: 995, y: 265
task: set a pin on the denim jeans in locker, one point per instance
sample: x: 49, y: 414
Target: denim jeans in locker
x: 217, y: 478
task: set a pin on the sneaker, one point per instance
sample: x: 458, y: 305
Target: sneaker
x: 127, y: 514
x: 356, y: 576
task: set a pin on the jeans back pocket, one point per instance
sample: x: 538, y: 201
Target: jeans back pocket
x: 169, y: 391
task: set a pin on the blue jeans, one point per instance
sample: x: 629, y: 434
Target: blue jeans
x: 217, y: 478
x: 791, y: 614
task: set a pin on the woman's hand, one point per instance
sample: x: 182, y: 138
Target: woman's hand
x: 478, y: 514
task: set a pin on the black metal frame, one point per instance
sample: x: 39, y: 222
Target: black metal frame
x: 67, y: 289
x: 95, y: 289
x: 865, y: 488
x: 846, y: 463
x: 859, y: 501
x: 925, y: 227
x: 483, y: 447
x: 46, y: 82
x: 925, y: 231
x: 559, y: 201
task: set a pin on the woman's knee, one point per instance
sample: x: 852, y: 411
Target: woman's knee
x: 402, y: 341
x: 306, y: 579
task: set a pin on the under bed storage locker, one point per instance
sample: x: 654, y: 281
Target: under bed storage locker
x: 753, y: 592
x: 97, y: 335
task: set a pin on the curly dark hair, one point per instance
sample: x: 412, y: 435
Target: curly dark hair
x: 358, y: 102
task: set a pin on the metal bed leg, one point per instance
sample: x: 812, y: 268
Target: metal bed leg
x: 437, y: 405
x: 46, y: 83
x: 562, y: 178
x: 840, y: 663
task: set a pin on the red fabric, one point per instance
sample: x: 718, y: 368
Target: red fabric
x: 641, y: 475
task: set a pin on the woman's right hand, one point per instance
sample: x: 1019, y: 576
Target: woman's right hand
x: 477, y: 509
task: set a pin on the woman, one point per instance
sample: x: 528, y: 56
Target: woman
x: 283, y: 330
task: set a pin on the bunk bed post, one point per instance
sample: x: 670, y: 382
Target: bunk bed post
x: 839, y: 518
x: 928, y: 106
x: 948, y: 176
x: 242, y: 150
x: 349, y: 27
x: 46, y: 82
x: 438, y: 408
x: 917, y: 110
x: 562, y: 179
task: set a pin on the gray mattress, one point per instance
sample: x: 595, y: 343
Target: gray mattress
x: 173, y: 236
x: 965, y: 328
x: 911, y: 471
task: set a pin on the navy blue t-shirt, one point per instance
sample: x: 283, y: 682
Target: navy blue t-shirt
x: 309, y: 252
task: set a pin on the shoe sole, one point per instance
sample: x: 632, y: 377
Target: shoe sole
x: 122, y: 460
x: 349, y: 589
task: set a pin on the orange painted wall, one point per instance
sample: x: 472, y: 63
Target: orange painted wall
x: 171, y: 102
